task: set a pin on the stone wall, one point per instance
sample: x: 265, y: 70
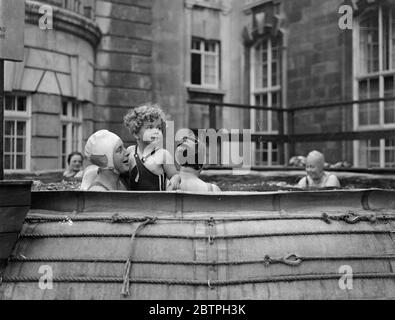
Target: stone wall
x: 58, y: 64
x: 319, y: 71
x: 123, y: 74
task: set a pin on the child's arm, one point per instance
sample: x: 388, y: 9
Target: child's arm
x: 171, y: 171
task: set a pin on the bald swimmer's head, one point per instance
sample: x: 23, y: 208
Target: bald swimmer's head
x: 315, y: 164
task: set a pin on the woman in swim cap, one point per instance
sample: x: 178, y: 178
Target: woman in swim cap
x: 105, y: 150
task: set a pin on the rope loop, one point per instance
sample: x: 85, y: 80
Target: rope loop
x: 292, y: 260
x: 353, y: 218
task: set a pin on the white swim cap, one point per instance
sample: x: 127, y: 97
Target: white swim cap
x: 100, y: 149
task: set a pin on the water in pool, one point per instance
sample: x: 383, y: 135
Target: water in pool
x: 256, y: 181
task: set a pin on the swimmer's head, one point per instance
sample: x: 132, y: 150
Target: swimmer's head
x: 105, y: 149
x: 146, y: 123
x: 315, y: 163
x: 190, y: 153
x: 74, y: 161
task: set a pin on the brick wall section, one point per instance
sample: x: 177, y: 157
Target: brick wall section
x: 123, y: 74
x: 317, y: 59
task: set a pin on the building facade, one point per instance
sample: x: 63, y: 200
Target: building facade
x: 104, y: 56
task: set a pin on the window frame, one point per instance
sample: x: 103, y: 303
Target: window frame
x: 21, y: 116
x: 201, y: 51
x: 380, y: 75
x: 70, y: 121
x: 269, y: 90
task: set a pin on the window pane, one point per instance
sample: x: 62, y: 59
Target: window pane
x: 374, y: 158
x: 75, y: 110
x: 275, y: 159
x: 369, y: 113
x: 386, y: 40
x: 20, y: 145
x: 196, y: 72
x: 64, y: 108
x: 264, y: 83
x: 21, y: 103
x: 210, y: 70
x: 195, y: 44
x: 276, y: 66
x: 369, y: 43
x: 20, y: 162
x: 9, y: 103
x: 261, y: 115
x: 9, y: 128
x: 64, y: 131
x: 7, y: 144
x: 7, y: 162
x: 210, y: 46
x: 276, y: 103
x: 374, y: 143
x: 389, y: 106
x: 390, y: 153
x: 261, y: 66
x: 21, y: 128
x: 393, y: 38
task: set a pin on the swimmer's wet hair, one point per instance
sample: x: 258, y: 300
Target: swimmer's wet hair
x: 135, y: 118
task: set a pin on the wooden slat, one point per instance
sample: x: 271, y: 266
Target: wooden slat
x: 11, y: 218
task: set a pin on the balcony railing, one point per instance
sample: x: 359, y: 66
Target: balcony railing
x: 291, y: 137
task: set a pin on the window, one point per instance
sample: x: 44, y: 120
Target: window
x: 71, y: 131
x: 205, y: 63
x: 374, y: 75
x: 266, y: 75
x: 16, y: 132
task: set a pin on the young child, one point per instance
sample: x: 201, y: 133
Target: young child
x: 150, y: 164
x: 105, y: 150
x: 190, y: 154
x: 316, y: 176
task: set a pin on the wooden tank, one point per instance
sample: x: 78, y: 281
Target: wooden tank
x: 280, y: 245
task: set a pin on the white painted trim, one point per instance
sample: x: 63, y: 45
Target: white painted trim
x: 23, y: 116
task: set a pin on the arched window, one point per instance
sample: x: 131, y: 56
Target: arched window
x: 264, y: 37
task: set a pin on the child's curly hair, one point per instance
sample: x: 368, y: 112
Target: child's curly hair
x: 135, y: 118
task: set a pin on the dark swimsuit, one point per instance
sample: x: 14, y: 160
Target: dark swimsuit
x: 142, y: 179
